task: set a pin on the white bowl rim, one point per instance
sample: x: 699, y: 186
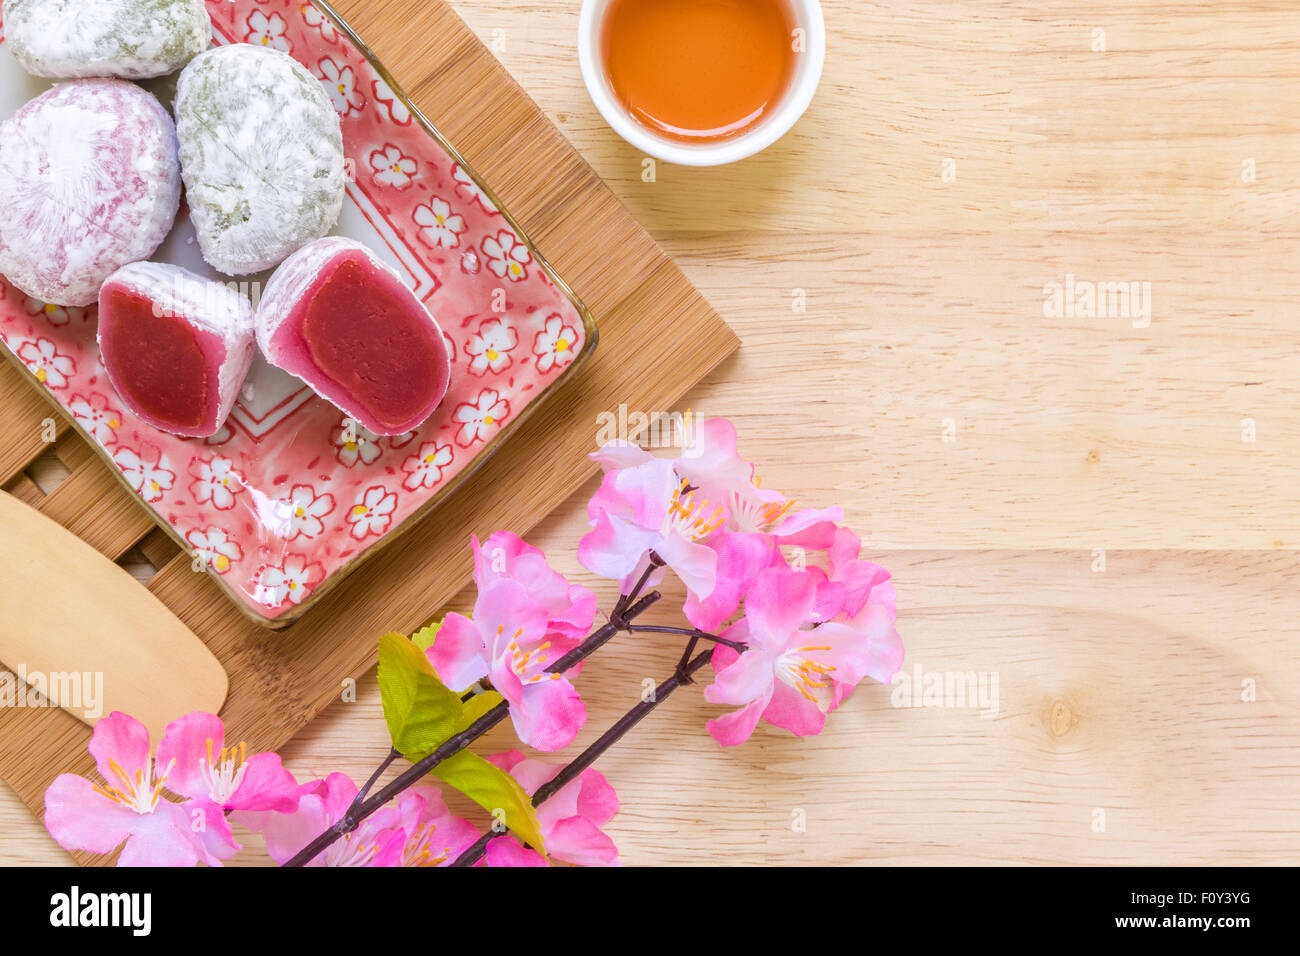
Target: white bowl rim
x: 808, y: 14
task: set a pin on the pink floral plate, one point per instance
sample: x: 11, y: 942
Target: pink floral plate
x: 290, y: 496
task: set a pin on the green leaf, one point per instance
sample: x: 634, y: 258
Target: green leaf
x: 420, y: 710
x: 425, y: 636
x: 493, y: 789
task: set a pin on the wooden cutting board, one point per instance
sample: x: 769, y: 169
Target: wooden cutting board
x: 658, y: 337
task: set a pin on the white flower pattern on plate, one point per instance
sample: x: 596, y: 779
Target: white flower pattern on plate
x: 439, y: 226
x: 341, y: 85
x: 267, y: 31
x: 424, y: 470
x: 97, y: 417
x: 480, y: 418
x: 303, y: 512
x: 290, y: 582
x: 50, y: 366
x: 507, y: 257
x: 554, y: 344
x: 472, y: 190
x: 150, y: 479
x: 489, y: 348
x: 355, y: 444
x: 56, y: 315
x: 215, y: 548
x: 373, y: 512
x: 396, y: 108
x: 391, y: 167
x: 217, y: 482
x: 312, y: 16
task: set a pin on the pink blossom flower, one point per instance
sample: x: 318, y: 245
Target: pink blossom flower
x: 480, y: 418
x: 321, y: 804
x: 97, y: 417
x: 439, y: 226
x: 149, y: 478
x: 216, y: 481
x: 796, y: 669
x: 863, y: 582
x: 570, y: 608
x: 300, y: 514
x: 506, y: 851
x: 647, y: 508
x: 571, y: 817
x: 489, y: 348
x: 753, y: 523
x: 50, y: 366
x: 373, y: 512
x: 554, y: 345
x: 709, y: 460
x: 507, y: 256
x: 433, y: 836
x: 128, y: 807
x: 391, y: 167
x: 425, y: 469
x: 750, y: 541
x: 217, y: 779
x: 506, y: 641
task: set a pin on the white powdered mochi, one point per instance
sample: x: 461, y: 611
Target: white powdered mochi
x: 176, y: 346
x: 90, y: 182
x: 134, y: 39
x: 261, y: 154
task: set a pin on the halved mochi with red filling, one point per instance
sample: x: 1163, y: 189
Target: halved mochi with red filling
x: 341, y: 319
x: 176, y: 346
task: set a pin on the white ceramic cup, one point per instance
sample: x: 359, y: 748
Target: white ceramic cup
x: 808, y: 72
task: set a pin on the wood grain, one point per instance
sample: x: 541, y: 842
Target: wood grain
x: 1120, y: 691
x: 68, y: 608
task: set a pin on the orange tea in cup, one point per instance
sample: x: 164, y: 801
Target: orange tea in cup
x: 698, y: 71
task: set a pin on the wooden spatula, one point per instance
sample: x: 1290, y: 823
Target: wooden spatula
x: 96, y: 638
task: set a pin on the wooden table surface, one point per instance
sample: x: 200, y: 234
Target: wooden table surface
x: 1092, y: 513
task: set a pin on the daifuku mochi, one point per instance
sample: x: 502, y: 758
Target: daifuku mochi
x: 261, y: 154
x: 176, y: 346
x: 134, y: 39
x: 342, y: 320
x: 89, y: 181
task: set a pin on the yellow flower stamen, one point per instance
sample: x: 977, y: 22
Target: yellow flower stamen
x: 688, y: 518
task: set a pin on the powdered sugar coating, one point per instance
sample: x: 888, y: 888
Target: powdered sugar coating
x: 262, y: 156
x: 134, y: 39
x: 208, y: 306
x: 91, y: 181
x: 287, y: 289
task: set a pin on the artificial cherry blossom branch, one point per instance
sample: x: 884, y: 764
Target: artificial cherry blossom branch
x: 695, y: 635
x: 589, y: 756
x: 458, y: 742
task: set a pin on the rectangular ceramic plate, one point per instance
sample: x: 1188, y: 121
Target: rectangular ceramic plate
x: 290, y: 496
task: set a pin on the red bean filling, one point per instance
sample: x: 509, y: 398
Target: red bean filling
x: 158, y: 363
x: 360, y: 333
